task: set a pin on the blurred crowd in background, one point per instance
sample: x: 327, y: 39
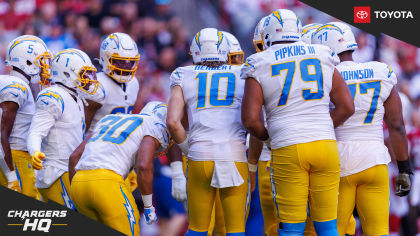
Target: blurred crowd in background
x: 163, y: 30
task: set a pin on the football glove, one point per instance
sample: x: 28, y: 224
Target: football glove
x: 150, y: 215
x: 36, y: 160
x: 14, y: 186
x: 403, y: 180
x: 179, y: 183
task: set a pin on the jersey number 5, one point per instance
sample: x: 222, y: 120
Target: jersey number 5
x: 115, y: 131
x: 315, y: 75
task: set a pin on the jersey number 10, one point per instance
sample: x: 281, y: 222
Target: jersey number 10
x: 215, y: 101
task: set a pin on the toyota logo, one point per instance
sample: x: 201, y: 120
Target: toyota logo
x: 362, y: 14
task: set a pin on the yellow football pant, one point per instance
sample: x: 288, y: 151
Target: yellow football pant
x: 201, y: 197
x: 3, y: 179
x: 101, y: 195
x: 306, y: 169
x: 58, y: 192
x: 25, y: 173
x: 131, y: 181
x: 217, y: 222
x: 267, y: 204
x: 369, y: 191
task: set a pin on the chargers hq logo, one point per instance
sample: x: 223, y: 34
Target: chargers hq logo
x: 42, y: 220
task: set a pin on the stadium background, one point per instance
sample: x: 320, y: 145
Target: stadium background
x: 163, y: 30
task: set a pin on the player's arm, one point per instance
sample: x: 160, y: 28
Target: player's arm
x: 147, y: 150
x: 398, y: 140
x: 341, y: 98
x: 7, y: 120
x: 175, y: 113
x: 90, y: 112
x: 252, y: 103
x: 255, y: 148
x: 75, y: 157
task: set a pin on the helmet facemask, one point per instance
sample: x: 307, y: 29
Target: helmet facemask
x: 236, y: 58
x: 43, y: 61
x: 122, y: 69
x: 87, y: 78
x: 258, y: 45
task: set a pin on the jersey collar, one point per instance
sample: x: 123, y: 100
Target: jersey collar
x: 19, y: 75
x: 348, y: 63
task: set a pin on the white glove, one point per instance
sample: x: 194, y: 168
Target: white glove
x: 150, y: 215
x: 179, y: 183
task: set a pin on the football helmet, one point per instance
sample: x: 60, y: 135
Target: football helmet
x: 119, y: 57
x: 74, y: 69
x: 281, y: 25
x: 210, y: 45
x: 158, y: 109
x: 31, y: 55
x: 335, y: 35
x: 308, y: 31
x: 257, y: 35
x: 235, y: 55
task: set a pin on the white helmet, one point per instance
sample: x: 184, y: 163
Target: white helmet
x: 236, y: 54
x: 335, y: 35
x: 158, y: 109
x: 210, y: 45
x: 31, y: 55
x: 74, y: 69
x: 308, y: 31
x: 258, y: 43
x: 119, y: 57
x: 281, y: 25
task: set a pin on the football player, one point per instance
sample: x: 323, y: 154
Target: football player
x: 98, y: 188
x: 30, y: 59
x: 296, y: 82
x: 258, y: 43
x: 58, y: 125
x: 236, y: 54
x: 212, y: 91
x: 118, y: 87
x: 308, y: 31
x: 364, y: 157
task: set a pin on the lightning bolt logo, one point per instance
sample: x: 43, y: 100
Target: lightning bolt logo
x: 18, y: 86
x: 70, y: 51
x: 27, y: 38
x: 219, y: 41
x: 197, y: 40
x: 167, y: 132
x: 309, y: 28
x: 114, y: 38
x: 130, y: 212
x: 54, y: 95
x: 177, y: 73
x: 249, y: 64
x: 329, y: 26
x: 66, y: 198
x: 18, y: 177
x: 277, y: 15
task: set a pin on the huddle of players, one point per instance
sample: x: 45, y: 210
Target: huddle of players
x: 315, y: 126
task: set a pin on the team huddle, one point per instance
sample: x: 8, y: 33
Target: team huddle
x: 313, y: 117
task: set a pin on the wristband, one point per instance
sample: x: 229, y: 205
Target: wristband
x: 252, y: 167
x: 184, y: 147
x: 405, y: 166
x: 147, y: 200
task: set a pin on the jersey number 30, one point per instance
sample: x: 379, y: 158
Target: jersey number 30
x: 115, y: 131
x: 306, y: 75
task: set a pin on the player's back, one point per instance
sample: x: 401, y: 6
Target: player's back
x: 15, y: 89
x: 115, y: 99
x: 370, y: 85
x: 213, y: 98
x: 296, y: 80
x: 116, y: 140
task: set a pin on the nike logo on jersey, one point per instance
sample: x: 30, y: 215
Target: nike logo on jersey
x: 16, y: 95
x: 46, y: 103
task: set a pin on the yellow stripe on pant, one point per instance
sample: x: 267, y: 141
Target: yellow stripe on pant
x: 58, y: 192
x: 306, y: 170
x: 101, y: 195
x: 25, y: 173
x: 369, y: 191
x: 201, y: 197
x: 267, y: 204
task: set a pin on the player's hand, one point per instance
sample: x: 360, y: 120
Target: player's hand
x: 149, y: 215
x: 253, y: 177
x: 36, y: 160
x: 402, y: 184
x: 14, y: 186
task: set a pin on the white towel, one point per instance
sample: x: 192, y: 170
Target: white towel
x: 226, y: 175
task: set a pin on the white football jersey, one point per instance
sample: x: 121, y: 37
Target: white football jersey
x: 115, y: 99
x: 116, y: 140
x: 296, y: 80
x: 213, y: 97
x: 360, y: 138
x: 15, y: 88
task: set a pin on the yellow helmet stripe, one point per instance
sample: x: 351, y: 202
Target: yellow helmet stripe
x: 328, y: 26
x: 219, y: 41
x: 197, y: 40
x: 309, y: 28
x: 277, y: 15
x: 70, y: 51
x: 115, y: 38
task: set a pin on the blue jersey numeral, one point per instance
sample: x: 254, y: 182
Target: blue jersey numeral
x: 364, y: 89
x: 215, y: 100
x: 290, y: 68
x: 110, y: 127
x: 122, y: 110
